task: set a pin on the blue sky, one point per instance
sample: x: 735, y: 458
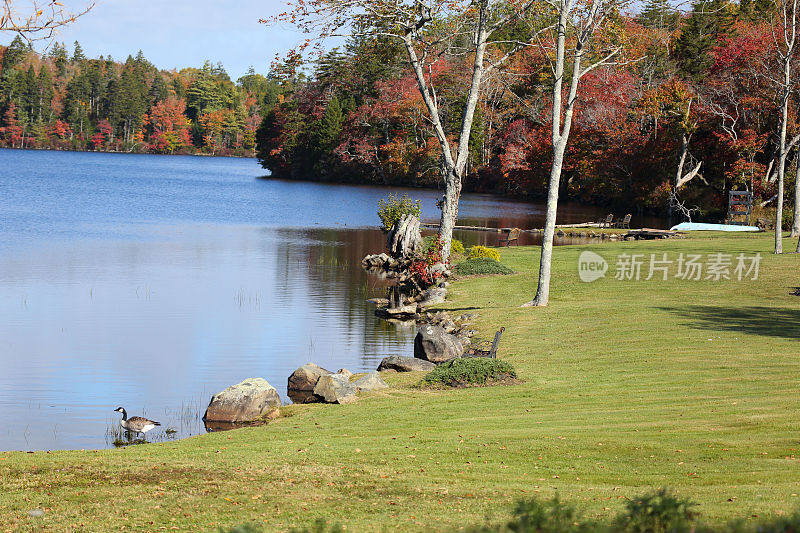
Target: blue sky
x: 182, y: 33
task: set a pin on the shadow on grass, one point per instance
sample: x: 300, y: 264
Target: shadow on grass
x: 765, y: 321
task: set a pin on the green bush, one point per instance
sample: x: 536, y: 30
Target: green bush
x: 394, y: 208
x: 472, y: 371
x: 657, y: 512
x: 481, y: 266
x: 533, y: 516
x: 242, y: 528
x: 319, y: 526
x: 477, y: 252
x: 456, y: 246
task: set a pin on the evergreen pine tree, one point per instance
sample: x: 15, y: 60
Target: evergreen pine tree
x: 659, y: 14
x: 77, y: 54
x: 708, y: 20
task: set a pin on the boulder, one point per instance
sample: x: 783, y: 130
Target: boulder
x: 245, y: 402
x: 344, y: 372
x: 433, y: 296
x: 335, y: 388
x: 302, y: 383
x: 403, y: 312
x: 399, y: 363
x: 370, y: 382
x: 434, y: 344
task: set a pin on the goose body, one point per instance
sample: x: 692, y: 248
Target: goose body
x: 136, y: 423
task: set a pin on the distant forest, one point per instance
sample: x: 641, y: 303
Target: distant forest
x: 63, y: 100
x: 698, y: 90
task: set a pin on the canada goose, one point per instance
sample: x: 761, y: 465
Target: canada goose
x: 136, y: 423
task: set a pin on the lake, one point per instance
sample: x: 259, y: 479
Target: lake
x: 153, y: 282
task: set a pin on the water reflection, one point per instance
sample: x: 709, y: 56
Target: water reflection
x: 154, y: 282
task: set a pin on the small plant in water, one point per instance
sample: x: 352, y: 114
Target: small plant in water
x: 394, y: 208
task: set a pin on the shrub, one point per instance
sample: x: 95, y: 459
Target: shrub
x: 319, y: 526
x: 456, y: 246
x: 657, y: 512
x: 477, y: 252
x: 533, y: 516
x: 481, y: 266
x: 472, y: 371
x: 242, y: 528
x: 421, y: 267
x: 394, y: 208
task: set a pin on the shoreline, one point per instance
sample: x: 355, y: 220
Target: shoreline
x: 597, y: 419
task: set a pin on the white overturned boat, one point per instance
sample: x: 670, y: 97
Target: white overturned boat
x: 698, y: 226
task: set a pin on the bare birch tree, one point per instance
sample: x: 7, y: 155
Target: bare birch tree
x: 785, y: 40
x: 796, y: 216
x: 37, y: 19
x: 577, y: 24
x: 429, y: 31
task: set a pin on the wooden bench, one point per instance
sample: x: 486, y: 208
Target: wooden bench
x: 512, y: 235
x: 483, y: 349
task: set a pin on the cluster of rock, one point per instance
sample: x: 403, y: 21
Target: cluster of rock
x: 440, y: 338
x: 254, y: 398
x: 313, y: 384
x: 411, y: 294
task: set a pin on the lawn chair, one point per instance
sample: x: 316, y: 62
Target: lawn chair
x: 606, y: 222
x: 511, y: 236
x: 625, y: 223
x: 484, y: 348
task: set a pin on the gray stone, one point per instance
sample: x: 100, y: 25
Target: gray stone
x: 344, y: 372
x: 404, y: 312
x: 434, y: 344
x: 302, y: 383
x: 433, y: 296
x: 245, y: 402
x: 399, y: 363
x: 370, y: 382
x: 335, y: 388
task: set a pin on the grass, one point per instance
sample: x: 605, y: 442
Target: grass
x: 626, y: 386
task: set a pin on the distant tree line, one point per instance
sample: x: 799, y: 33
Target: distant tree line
x: 692, y: 117
x: 66, y: 101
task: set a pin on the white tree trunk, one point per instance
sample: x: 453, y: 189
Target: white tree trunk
x: 560, y: 137
x: 453, y: 169
x: 796, y: 217
x: 788, y: 13
x: 787, y: 72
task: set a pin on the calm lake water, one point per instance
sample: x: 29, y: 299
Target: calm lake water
x: 153, y: 282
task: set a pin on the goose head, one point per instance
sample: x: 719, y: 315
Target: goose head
x: 121, y: 410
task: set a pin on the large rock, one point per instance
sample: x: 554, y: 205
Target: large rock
x: 399, y: 363
x: 405, y: 312
x: 370, y: 382
x: 245, y: 402
x: 433, y: 296
x: 434, y: 344
x: 404, y: 238
x: 335, y: 388
x: 302, y: 383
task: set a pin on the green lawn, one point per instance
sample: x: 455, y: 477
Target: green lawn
x: 627, y: 386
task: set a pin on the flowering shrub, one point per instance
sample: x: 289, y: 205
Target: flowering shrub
x: 477, y: 252
x: 421, y: 268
